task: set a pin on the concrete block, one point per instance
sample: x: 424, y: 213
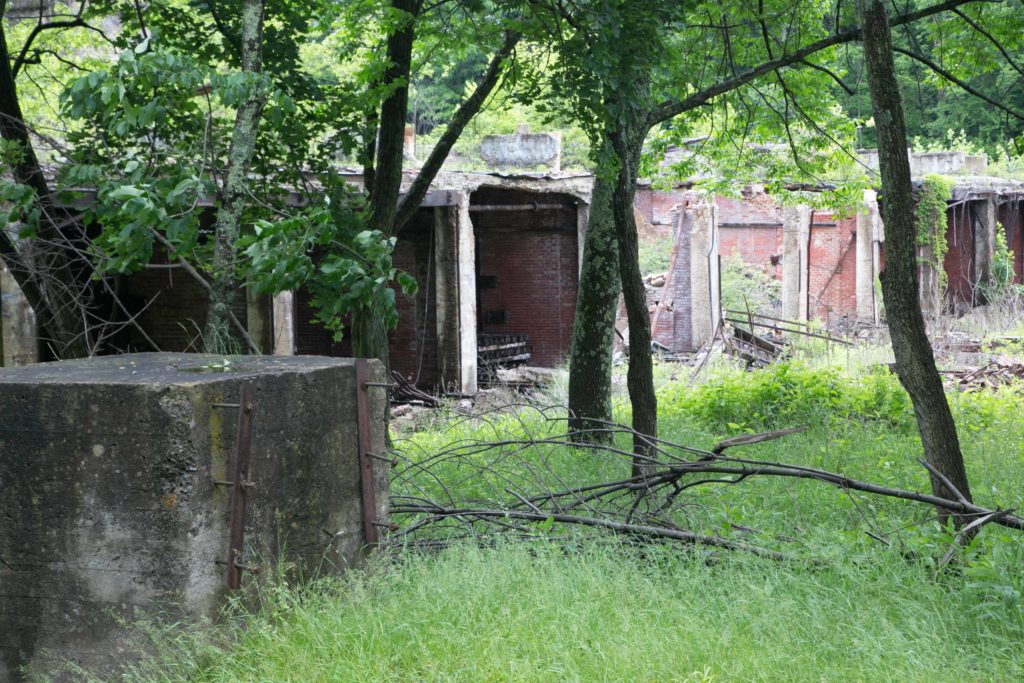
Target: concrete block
x: 109, y: 509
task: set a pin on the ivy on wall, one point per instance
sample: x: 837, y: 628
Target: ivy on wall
x: 931, y: 221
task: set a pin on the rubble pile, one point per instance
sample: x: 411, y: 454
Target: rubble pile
x: 996, y: 373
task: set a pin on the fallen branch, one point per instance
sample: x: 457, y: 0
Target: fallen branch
x: 618, y: 527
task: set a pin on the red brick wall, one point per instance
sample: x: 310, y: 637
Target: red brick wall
x: 532, y: 256
x: 656, y: 205
x: 756, y: 245
x: 1011, y: 215
x: 832, y: 263
x: 959, y: 261
x: 413, y: 344
x: 171, y: 307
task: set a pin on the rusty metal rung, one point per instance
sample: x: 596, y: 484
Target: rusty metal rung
x: 388, y: 385
x: 224, y: 482
x: 225, y: 405
x: 383, y: 458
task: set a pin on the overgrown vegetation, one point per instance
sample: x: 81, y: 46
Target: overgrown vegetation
x: 746, y: 286
x: 559, y: 603
x: 932, y: 222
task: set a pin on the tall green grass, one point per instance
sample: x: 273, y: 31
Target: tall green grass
x: 614, y: 613
x: 575, y: 606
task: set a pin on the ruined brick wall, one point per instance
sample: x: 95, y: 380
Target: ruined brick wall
x: 413, y: 344
x: 672, y: 323
x: 832, y: 259
x: 1011, y: 215
x: 656, y: 205
x: 959, y: 261
x: 527, y: 270
x: 171, y: 307
x: 756, y: 245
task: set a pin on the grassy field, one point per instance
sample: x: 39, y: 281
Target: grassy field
x: 570, y: 605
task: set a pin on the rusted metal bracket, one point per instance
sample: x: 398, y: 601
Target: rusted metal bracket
x: 239, y: 484
x: 366, y: 479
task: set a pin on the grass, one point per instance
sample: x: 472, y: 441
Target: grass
x: 574, y: 606
x: 603, y: 613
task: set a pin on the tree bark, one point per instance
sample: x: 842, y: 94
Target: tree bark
x: 593, y: 331
x: 915, y: 362
x: 627, y: 143
x: 223, y: 280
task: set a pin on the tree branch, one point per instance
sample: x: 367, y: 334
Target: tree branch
x: 960, y: 83
x: 463, y: 115
x: 670, y: 108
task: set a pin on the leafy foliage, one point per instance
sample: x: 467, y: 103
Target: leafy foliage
x: 327, y: 250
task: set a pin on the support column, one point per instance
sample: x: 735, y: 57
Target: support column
x: 705, y: 294
x: 983, y: 225
x: 455, y: 287
x: 796, y: 225
x: 284, y: 324
x: 18, y: 337
x: 865, y: 287
x: 582, y: 220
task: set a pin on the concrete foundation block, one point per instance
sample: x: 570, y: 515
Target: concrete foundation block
x: 109, y: 509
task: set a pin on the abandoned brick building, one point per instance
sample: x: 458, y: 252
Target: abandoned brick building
x: 497, y: 259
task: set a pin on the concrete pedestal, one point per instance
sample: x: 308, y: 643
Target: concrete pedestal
x: 110, y: 508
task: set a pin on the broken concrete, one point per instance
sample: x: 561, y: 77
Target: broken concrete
x: 522, y: 149
x: 110, y: 508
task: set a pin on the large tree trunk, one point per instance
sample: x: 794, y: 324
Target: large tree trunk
x: 217, y: 337
x: 915, y: 362
x: 593, y: 332
x: 44, y: 273
x: 627, y: 142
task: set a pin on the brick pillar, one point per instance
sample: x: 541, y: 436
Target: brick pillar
x: 704, y: 281
x: 867, y: 214
x: 796, y: 224
x: 983, y: 225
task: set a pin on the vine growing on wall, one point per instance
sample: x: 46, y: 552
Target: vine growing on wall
x: 931, y: 221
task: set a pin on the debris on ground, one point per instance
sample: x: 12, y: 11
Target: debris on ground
x: 997, y: 373
x: 756, y: 350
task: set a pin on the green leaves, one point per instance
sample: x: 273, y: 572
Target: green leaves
x: 327, y: 250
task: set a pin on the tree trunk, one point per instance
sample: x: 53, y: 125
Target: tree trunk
x: 915, y: 362
x: 45, y: 273
x: 217, y: 337
x: 593, y: 332
x: 627, y: 142
x: 384, y: 182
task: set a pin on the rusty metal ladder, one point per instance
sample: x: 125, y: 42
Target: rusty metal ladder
x: 239, y: 484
